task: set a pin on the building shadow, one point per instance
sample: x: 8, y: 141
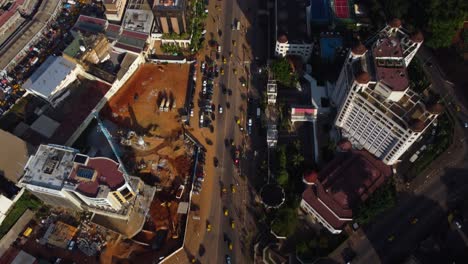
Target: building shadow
x: 420, y: 226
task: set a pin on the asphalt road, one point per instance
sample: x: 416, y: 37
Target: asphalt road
x: 227, y: 128
x: 429, y: 196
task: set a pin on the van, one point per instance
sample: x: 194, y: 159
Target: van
x: 258, y: 112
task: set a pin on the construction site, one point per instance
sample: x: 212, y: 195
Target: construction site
x: 145, y: 118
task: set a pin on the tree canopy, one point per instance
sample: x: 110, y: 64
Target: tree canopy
x: 439, y: 18
x: 282, y: 72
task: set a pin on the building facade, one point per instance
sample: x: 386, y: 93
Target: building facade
x: 169, y: 16
x: 377, y: 109
x: 293, y: 28
x: 61, y: 176
x: 114, y: 9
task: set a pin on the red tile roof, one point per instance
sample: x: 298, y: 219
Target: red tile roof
x: 93, y: 20
x: 282, y: 39
x: 359, y: 49
x: 113, y: 27
x: 107, y: 174
x: 396, y: 23
x: 133, y: 34
x: 310, y: 177
x: 345, y: 182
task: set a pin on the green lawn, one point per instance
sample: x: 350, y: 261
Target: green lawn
x: 27, y: 201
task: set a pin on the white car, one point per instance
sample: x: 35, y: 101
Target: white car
x: 204, y: 82
x: 220, y: 109
x: 201, y: 120
x: 191, y: 112
x: 250, y: 122
x: 204, y: 90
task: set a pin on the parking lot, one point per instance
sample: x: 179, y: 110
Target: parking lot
x: 55, y: 38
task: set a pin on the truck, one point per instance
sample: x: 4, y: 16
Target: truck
x: 161, y: 106
x: 166, y: 106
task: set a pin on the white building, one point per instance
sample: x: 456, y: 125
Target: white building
x: 48, y: 81
x: 293, y: 28
x: 62, y: 177
x: 377, y: 110
x: 114, y: 9
x: 272, y: 91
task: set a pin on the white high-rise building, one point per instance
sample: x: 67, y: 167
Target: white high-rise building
x: 377, y: 110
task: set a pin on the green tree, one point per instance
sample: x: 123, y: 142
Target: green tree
x: 285, y: 222
x: 282, y: 72
x: 283, y: 178
x: 297, y: 160
x: 380, y: 201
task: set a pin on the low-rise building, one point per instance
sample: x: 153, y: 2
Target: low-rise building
x: 293, y: 28
x: 333, y: 194
x: 48, y: 81
x: 88, y: 48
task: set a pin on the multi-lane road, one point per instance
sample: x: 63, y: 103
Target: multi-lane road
x: 222, y: 16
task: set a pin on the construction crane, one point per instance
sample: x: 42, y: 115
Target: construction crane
x: 108, y: 136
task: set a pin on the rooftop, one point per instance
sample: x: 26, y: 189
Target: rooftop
x: 168, y: 3
x: 292, y: 20
x: 408, y: 108
x: 95, y: 177
x: 50, y: 166
x: 389, y: 63
x: 92, y: 24
x: 49, y: 75
x: 345, y: 182
x: 55, y: 166
x: 138, y: 20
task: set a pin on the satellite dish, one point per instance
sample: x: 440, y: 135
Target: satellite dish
x: 82, y: 48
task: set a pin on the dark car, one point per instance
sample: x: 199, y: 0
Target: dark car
x: 215, y: 162
x: 228, y: 259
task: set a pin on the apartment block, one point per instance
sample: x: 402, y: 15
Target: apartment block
x: 377, y: 109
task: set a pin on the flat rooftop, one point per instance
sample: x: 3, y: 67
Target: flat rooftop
x: 139, y: 20
x: 292, y: 20
x: 389, y: 65
x: 49, y: 167
x: 48, y: 77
